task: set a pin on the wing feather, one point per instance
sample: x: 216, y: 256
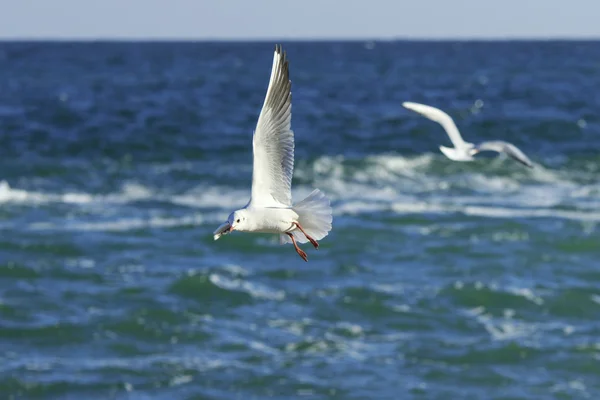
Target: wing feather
x: 441, y: 118
x: 273, y: 140
x: 507, y: 148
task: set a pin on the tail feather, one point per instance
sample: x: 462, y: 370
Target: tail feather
x: 315, y: 217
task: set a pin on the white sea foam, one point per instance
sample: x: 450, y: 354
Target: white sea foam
x: 254, y: 289
x: 125, y: 224
x: 405, y: 185
x: 212, y: 197
x: 383, y: 183
x: 506, y: 329
x: 129, y: 192
x: 10, y: 195
x: 187, y: 361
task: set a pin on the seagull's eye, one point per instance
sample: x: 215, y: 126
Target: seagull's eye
x: 238, y: 221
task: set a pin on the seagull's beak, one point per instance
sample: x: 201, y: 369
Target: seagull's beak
x: 222, y: 230
x: 231, y: 229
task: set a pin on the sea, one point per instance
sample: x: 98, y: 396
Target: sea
x: 439, y: 280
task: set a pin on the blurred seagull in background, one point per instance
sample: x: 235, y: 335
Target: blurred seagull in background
x: 270, y: 208
x: 464, y: 151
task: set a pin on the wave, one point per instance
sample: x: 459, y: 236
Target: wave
x: 122, y: 225
x: 505, y: 327
x: 383, y: 183
x: 210, y: 288
x: 130, y: 192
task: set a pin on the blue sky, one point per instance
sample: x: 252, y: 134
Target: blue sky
x: 285, y: 19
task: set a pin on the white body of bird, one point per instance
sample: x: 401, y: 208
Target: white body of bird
x: 264, y: 220
x: 461, y: 154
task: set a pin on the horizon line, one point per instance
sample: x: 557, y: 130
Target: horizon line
x: 303, y: 39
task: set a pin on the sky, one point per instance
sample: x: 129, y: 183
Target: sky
x: 298, y: 19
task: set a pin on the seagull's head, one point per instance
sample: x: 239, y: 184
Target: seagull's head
x: 237, y: 220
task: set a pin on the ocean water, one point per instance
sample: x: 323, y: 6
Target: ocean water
x: 440, y: 280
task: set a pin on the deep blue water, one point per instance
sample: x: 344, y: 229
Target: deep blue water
x: 440, y: 280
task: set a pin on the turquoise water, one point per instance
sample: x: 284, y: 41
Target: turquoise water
x: 440, y: 280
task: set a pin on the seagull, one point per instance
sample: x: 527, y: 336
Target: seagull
x: 270, y: 209
x: 464, y: 151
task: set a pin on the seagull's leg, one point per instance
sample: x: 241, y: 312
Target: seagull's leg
x: 313, y: 241
x: 300, y: 252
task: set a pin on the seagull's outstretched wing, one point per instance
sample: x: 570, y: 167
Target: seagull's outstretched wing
x: 440, y: 117
x: 273, y: 141
x: 506, y: 148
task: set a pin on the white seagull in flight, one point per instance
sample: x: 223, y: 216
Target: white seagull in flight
x: 464, y: 151
x: 270, y: 208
